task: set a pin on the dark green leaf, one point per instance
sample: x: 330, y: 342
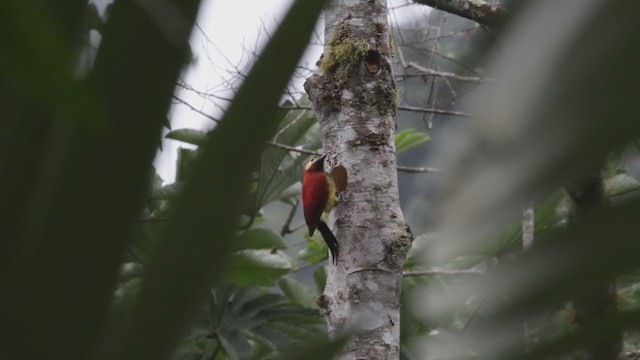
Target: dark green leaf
x: 320, y: 279
x: 314, y: 252
x: 297, y: 293
x: 167, y: 192
x: 260, y: 267
x: 280, y: 168
x: 258, y: 239
x: 190, y: 136
x: 621, y: 184
x: 319, y: 350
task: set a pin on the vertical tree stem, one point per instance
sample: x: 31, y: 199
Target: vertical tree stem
x: 355, y: 99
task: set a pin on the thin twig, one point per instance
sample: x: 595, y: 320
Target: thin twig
x: 292, y: 148
x: 286, y: 226
x: 307, y: 266
x: 434, y: 111
x: 405, y: 108
x: 410, y: 169
x: 179, y: 100
x: 423, y: 71
x: 437, y: 272
x: 298, y: 227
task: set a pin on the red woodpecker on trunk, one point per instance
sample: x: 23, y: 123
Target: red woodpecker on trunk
x: 319, y: 194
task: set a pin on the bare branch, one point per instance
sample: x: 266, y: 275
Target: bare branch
x: 286, y: 227
x: 436, y: 272
x: 410, y: 169
x: 490, y: 15
x: 179, y: 100
x: 404, y: 108
x: 434, y: 111
x: 423, y: 71
x: 292, y: 148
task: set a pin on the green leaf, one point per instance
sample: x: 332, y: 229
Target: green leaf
x: 546, y: 215
x: 259, y: 267
x: 319, y: 350
x: 262, y: 352
x: 186, y: 157
x: 297, y: 293
x: 258, y: 239
x: 167, y: 192
x: 190, y: 136
x: 621, y: 184
x: 409, y: 138
x: 415, y: 256
x: 235, y: 344
x: 314, y: 252
x: 320, y: 279
x: 300, y: 333
x: 268, y: 320
x: 280, y: 168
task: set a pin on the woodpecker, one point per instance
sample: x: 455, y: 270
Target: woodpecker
x: 319, y: 195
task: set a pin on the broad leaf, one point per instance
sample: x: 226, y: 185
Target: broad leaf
x: 190, y: 136
x: 621, y: 184
x: 258, y: 239
x: 320, y: 279
x: 297, y: 293
x: 259, y: 267
x: 250, y: 321
x: 314, y: 252
x: 280, y: 168
x: 410, y: 138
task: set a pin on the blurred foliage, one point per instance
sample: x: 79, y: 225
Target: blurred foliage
x: 409, y: 138
x: 550, y: 119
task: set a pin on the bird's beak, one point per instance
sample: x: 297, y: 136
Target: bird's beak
x: 322, y: 157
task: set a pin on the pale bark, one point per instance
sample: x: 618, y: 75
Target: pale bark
x: 355, y: 99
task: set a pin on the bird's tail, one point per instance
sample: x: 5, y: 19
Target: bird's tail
x: 330, y: 239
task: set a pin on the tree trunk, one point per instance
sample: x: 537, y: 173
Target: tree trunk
x: 355, y: 98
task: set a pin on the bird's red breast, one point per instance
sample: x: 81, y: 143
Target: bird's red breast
x: 315, y: 193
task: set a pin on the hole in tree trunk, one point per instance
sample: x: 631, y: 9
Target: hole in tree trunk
x: 372, y: 60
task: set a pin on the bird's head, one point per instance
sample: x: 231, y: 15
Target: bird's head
x: 315, y: 163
